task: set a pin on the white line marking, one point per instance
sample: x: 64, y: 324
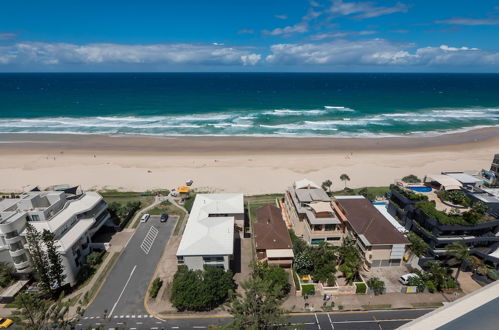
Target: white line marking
x: 116, y: 303
x: 330, y: 321
x: 317, y: 320
x: 149, y: 239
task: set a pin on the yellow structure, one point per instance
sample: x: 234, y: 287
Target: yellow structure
x: 183, y: 189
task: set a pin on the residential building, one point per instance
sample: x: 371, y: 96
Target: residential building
x: 380, y: 243
x: 482, y: 238
x: 208, y: 237
x: 494, y: 167
x: 311, y: 212
x: 272, y: 242
x: 467, y: 180
x: 73, y: 218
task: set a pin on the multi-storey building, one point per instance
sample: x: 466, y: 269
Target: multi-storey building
x: 311, y: 212
x: 73, y: 219
x: 208, y: 237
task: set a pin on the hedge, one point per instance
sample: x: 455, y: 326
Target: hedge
x: 156, y: 285
x: 360, y: 288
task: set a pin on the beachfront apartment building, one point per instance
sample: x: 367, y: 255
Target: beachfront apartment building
x: 494, y: 167
x: 311, y: 213
x: 379, y: 242
x: 272, y: 241
x: 209, y: 234
x: 73, y: 218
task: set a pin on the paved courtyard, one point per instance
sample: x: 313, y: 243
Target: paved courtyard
x: 389, y: 275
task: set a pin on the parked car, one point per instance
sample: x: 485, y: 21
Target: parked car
x: 404, y: 279
x: 164, y: 217
x: 144, y: 218
x: 5, y: 323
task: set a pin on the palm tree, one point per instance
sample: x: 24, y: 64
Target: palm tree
x: 344, y: 177
x: 326, y: 185
x: 460, y: 253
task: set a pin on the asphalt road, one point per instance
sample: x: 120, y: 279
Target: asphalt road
x: 376, y: 320
x: 122, y: 294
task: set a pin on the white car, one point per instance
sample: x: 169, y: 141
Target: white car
x: 404, y: 279
x: 144, y: 218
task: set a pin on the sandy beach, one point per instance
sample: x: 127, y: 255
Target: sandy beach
x: 232, y: 164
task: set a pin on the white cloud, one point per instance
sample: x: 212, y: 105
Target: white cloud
x: 7, y: 35
x: 106, y: 53
x: 378, y: 53
x: 365, y: 9
x: 340, y: 34
x: 469, y: 21
x: 300, y: 27
x: 282, y: 16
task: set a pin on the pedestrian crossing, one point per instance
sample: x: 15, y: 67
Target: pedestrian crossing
x: 149, y: 239
x: 140, y: 316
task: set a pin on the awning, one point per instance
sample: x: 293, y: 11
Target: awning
x: 280, y: 253
x: 183, y: 189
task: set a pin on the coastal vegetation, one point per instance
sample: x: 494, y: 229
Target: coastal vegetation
x: 200, y: 290
x: 437, y: 278
x: 122, y: 212
x: 468, y: 218
x: 411, y: 178
x: 345, y: 178
x: 456, y: 197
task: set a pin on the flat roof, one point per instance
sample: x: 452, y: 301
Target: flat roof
x: 208, y: 230
x: 464, y: 178
x: 74, y: 234
x: 446, y: 181
x: 366, y: 220
x: 383, y: 210
x: 477, y: 310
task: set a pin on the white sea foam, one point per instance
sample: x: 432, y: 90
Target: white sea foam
x: 338, y: 108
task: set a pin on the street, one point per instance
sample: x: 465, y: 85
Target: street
x: 376, y: 320
x: 123, y: 292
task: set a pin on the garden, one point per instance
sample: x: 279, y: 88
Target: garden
x: 476, y: 214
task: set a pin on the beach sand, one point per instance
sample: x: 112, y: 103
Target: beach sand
x: 250, y: 165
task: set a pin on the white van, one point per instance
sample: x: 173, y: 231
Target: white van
x: 144, y: 218
x: 404, y: 279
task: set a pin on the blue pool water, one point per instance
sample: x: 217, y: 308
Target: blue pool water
x: 380, y: 203
x: 420, y: 189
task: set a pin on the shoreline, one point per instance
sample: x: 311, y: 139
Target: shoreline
x: 28, y: 142
x: 247, y: 165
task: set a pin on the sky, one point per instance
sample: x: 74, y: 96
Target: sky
x: 249, y: 36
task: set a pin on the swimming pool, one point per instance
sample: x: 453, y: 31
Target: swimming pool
x: 420, y: 188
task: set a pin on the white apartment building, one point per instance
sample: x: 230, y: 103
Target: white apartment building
x: 73, y: 219
x: 208, y: 237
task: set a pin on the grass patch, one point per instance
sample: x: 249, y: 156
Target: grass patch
x: 93, y: 290
x: 178, y: 226
x: 256, y: 201
x: 307, y: 288
x: 378, y: 306
x: 189, y: 201
x: 11, y: 305
x: 165, y: 207
x: 375, y: 191
x: 427, y: 304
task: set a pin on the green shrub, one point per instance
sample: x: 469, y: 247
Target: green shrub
x: 156, y: 285
x: 377, y: 285
x: 95, y: 258
x: 410, y: 194
x: 411, y: 178
x: 493, y: 274
x: 360, y: 288
x: 307, y: 288
x: 456, y: 197
x: 297, y: 281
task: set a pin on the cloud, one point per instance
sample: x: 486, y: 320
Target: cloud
x: 7, y: 36
x: 378, y: 53
x: 469, y: 21
x: 44, y: 53
x: 246, y: 31
x: 300, y: 27
x: 340, y: 34
x: 365, y: 9
x: 283, y: 16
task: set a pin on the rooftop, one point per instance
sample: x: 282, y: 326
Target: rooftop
x: 210, y: 227
x: 464, y: 178
x: 366, y: 220
x: 270, y: 231
x: 449, y: 183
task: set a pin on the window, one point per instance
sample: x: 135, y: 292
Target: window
x: 213, y: 259
x: 12, y: 234
x: 20, y: 259
x: 330, y: 227
x: 16, y: 246
x: 333, y: 238
x: 180, y: 259
x: 316, y: 241
x: 35, y: 217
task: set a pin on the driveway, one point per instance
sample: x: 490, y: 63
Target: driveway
x: 123, y: 292
x: 389, y: 275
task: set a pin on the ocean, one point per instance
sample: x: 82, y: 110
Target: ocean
x: 248, y: 104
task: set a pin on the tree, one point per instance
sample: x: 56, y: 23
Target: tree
x: 303, y: 264
x: 344, y: 177
x: 6, y: 274
x: 480, y: 207
x: 200, y: 290
x: 326, y: 185
x: 38, y: 257
x: 56, y: 269
x: 460, y: 253
x: 418, y: 245
x: 275, y: 276
x: 299, y: 245
x: 37, y: 313
x: 94, y: 258
x: 377, y: 285
x: 259, y: 307
x: 367, y: 194
x: 350, y: 260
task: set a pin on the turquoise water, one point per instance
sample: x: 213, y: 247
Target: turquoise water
x: 420, y: 188
x: 256, y: 104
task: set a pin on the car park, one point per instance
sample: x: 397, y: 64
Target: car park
x: 145, y: 217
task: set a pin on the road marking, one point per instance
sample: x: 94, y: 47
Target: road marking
x: 317, y: 320
x: 330, y: 321
x: 373, y: 321
x: 149, y: 239
x: 198, y: 327
x: 129, y: 278
x: 138, y: 323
